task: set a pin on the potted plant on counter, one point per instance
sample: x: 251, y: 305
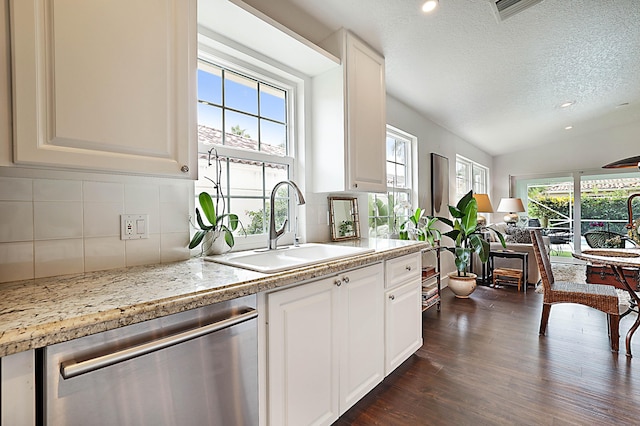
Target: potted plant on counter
x: 216, y: 236
x: 467, y: 241
x: 420, y: 227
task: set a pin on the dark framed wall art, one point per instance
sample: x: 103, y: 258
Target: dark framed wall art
x: 439, y: 185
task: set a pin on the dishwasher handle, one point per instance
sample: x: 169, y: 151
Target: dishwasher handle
x: 70, y: 369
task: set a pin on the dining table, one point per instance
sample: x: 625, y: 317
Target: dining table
x: 618, y: 260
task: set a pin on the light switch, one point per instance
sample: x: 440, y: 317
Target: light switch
x: 134, y: 226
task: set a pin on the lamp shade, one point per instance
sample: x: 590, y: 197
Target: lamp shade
x: 484, y: 203
x: 511, y: 205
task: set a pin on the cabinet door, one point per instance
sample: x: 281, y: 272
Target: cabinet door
x: 361, y: 327
x: 403, y: 323
x: 105, y: 85
x: 366, y: 117
x: 302, y: 354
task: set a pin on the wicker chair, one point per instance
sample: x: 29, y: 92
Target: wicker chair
x: 601, y: 297
x: 602, y: 239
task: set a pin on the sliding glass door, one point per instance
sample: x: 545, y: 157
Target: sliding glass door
x: 551, y: 200
x: 603, y: 208
x: 582, y: 210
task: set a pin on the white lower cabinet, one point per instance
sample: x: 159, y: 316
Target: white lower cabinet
x: 403, y: 324
x: 403, y: 309
x: 325, y: 346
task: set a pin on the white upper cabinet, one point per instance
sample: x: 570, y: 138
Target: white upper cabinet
x: 349, y: 119
x: 105, y: 85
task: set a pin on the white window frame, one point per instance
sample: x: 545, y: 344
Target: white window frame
x: 275, y: 77
x: 410, y: 175
x: 469, y: 183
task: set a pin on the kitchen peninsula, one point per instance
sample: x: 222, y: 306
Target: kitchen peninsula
x: 43, y: 312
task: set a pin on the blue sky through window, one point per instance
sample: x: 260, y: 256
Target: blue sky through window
x: 241, y: 94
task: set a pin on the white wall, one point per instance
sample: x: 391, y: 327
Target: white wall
x: 586, y: 152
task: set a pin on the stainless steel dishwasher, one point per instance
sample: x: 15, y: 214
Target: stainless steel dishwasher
x: 198, y: 367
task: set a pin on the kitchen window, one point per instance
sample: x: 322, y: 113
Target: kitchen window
x: 388, y: 211
x: 244, y: 119
x: 470, y: 175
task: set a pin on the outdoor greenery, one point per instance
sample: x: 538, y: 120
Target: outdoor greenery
x: 597, y: 211
x: 260, y: 218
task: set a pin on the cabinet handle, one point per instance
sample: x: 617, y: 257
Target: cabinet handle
x: 184, y: 169
x: 408, y: 267
x: 392, y: 297
x: 346, y: 280
x: 338, y: 282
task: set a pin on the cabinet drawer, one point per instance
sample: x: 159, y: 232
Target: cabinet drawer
x: 401, y: 269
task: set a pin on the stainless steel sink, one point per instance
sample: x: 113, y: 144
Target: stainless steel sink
x: 285, y: 258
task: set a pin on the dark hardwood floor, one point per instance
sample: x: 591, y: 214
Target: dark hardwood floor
x: 483, y: 363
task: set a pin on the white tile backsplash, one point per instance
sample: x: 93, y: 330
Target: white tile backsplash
x: 103, y: 192
x: 57, y: 190
x: 144, y: 199
x: 17, y: 221
x: 102, y: 219
x: 16, y: 189
x: 173, y: 218
x: 103, y: 253
x: 143, y: 252
x: 57, y: 220
x: 16, y: 261
x: 174, y: 247
x: 58, y: 225
x: 59, y: 257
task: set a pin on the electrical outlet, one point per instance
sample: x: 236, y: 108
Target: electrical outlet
x: 134, y: 226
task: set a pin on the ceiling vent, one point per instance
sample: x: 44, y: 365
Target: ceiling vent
x: 507, y: 8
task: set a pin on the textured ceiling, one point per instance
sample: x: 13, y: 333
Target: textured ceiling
x: 499, y: 85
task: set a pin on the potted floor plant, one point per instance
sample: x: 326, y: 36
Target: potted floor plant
x: 216, y: 233
x: 467, y: 241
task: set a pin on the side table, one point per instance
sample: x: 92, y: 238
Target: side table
x: 510, y: 254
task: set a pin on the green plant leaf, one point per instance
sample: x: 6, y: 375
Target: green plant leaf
x: 470, y: 217
x: 480, y: 246
x: 201, y: 224
x: 197, y: 239
x: 464, y: 201
x: 455, y: 212
x: 228, y: 237
x: 233, y: 221
x: 207, y: 207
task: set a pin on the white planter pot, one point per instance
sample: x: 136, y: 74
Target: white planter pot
x: 214, y: 243
x: 462, y: 286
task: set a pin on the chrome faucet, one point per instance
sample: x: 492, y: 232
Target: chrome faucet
x: 273, y: 233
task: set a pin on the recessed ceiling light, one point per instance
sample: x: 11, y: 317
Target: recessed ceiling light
x: 567, y: 104
x: 568, y: 128
x: 429, y: 5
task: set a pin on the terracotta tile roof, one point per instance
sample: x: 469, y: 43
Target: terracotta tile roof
x: 605, y: 185
x: 210, y: 136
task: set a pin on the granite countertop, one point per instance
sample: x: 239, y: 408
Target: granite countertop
x: 45, y: 311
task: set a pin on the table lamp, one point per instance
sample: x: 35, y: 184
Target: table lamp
x: 511, y: 206
x: 484, y: 206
